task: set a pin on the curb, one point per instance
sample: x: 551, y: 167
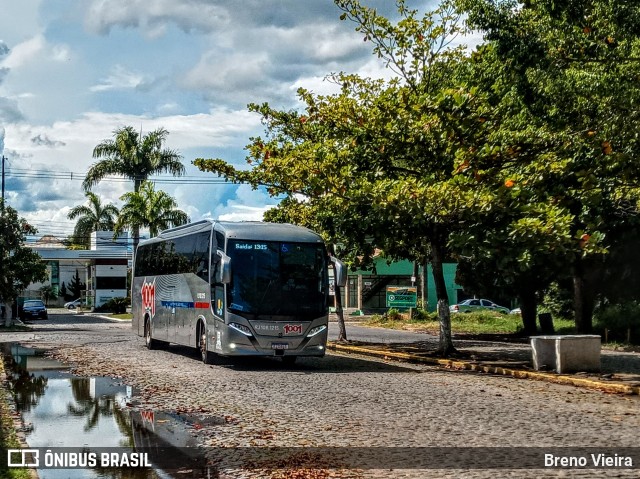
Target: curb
x: 611, y: 387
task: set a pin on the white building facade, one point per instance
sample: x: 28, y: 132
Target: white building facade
x: 102, y: 269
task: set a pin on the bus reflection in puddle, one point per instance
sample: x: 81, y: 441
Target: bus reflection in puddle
x: 170, y: 440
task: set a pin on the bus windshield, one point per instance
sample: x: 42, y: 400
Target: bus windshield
x: 277, y: 278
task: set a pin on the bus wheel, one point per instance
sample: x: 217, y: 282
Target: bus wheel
x: 150, y: 342
x: 205, y: 354
x: 289, y: 360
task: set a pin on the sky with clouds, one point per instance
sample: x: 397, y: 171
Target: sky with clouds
x: 73, y: 71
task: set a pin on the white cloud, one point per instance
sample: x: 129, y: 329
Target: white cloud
x: 239, y: 71
x: 152, y: 15
x: 245, y: 213
x: 42, y: 197
x: 245, y: 204
x: 72, y: 72
x: 35, y: 49
x: 61, y: 53
x: 120, y: 78
x: 25, y: 52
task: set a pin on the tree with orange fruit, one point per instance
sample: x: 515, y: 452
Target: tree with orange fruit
x: 375, y: 161
x: 561, y: 77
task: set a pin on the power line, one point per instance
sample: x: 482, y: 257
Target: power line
x: 75, y: 176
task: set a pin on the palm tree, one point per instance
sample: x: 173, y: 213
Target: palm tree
x: 92, y: 217
x: 148, y: 208
x: 135, y: 157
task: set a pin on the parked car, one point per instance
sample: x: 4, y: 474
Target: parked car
x: 515, y: 311
x: 76, y: 303
x: 471, y: 305
x: 34, y: 309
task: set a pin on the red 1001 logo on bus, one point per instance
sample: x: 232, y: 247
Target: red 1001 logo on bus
x: 148, y: 293
x: 293, y: 328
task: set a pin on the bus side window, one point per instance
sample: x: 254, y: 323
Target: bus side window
x: 217, y: 289
x: 220, y: 240
x: 215, y: 266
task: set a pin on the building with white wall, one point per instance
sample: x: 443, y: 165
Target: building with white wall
x: 102, y: 268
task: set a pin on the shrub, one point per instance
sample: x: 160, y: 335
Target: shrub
x: 558, y: 300
x: 115, y: 306
x: 393, y: 315
x: 621, y: 320
x: 420, y: 314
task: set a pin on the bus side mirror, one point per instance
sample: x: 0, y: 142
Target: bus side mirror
x: 339, y: 272
x: 223, y: 268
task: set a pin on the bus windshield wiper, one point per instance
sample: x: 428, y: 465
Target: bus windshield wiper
x: 258, y: 310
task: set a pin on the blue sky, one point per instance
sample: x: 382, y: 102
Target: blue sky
x: 72, y: 71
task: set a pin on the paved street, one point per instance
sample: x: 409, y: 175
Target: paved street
x: 346, y: 401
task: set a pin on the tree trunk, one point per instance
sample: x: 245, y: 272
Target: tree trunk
x: 529, y: 310
x: 11, y: 315
x: 445, y: 347
x: 136, y: 228
x: 583, y: 300
x: 7, y: 316
x: 342, y: 336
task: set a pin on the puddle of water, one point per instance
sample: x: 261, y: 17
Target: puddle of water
x: 62, y: 410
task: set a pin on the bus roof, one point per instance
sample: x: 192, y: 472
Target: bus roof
x: 245, y: 230
x: 257, y: 230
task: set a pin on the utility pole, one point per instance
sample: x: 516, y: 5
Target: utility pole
x: 3, y: 158
x: 8, y: 320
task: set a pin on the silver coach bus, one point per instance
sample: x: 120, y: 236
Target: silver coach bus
x: 235, y: 289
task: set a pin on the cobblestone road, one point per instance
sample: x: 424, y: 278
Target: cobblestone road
x: 346, y: 401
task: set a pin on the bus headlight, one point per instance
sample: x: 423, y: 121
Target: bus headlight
x: 241, y: 328
x: 316, y: 330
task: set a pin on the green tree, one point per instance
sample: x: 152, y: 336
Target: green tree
x: 151, y: 209
x: 47, y: 293
x: 64, y: 294
x: 76, y: 286
x: 375, y: 161
x: 562, y: 80
x: 92, y: 217
x: 19, y: 265
x: 135, y: 157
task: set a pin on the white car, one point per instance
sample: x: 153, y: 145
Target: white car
x: 471, y: 305
x: 73, y: 304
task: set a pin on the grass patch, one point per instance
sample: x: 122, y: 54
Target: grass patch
x: 469, y: 323
x: 8, y: 437
x: 122, y: 316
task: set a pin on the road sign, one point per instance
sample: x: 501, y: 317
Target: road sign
x: 402, y: 296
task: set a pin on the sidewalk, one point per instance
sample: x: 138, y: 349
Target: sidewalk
x: 503, y: 355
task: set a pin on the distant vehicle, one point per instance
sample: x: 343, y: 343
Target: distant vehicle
x: 515, y: 311
x: 34, y: 309
x: 471, y: 305
x: 76, y: 303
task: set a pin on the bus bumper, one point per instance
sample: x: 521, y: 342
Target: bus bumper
x: 239, y: 344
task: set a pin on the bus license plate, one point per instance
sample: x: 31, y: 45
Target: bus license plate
x: 279, y: 345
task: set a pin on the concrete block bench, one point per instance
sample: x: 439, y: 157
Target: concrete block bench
x: 566, y: 353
